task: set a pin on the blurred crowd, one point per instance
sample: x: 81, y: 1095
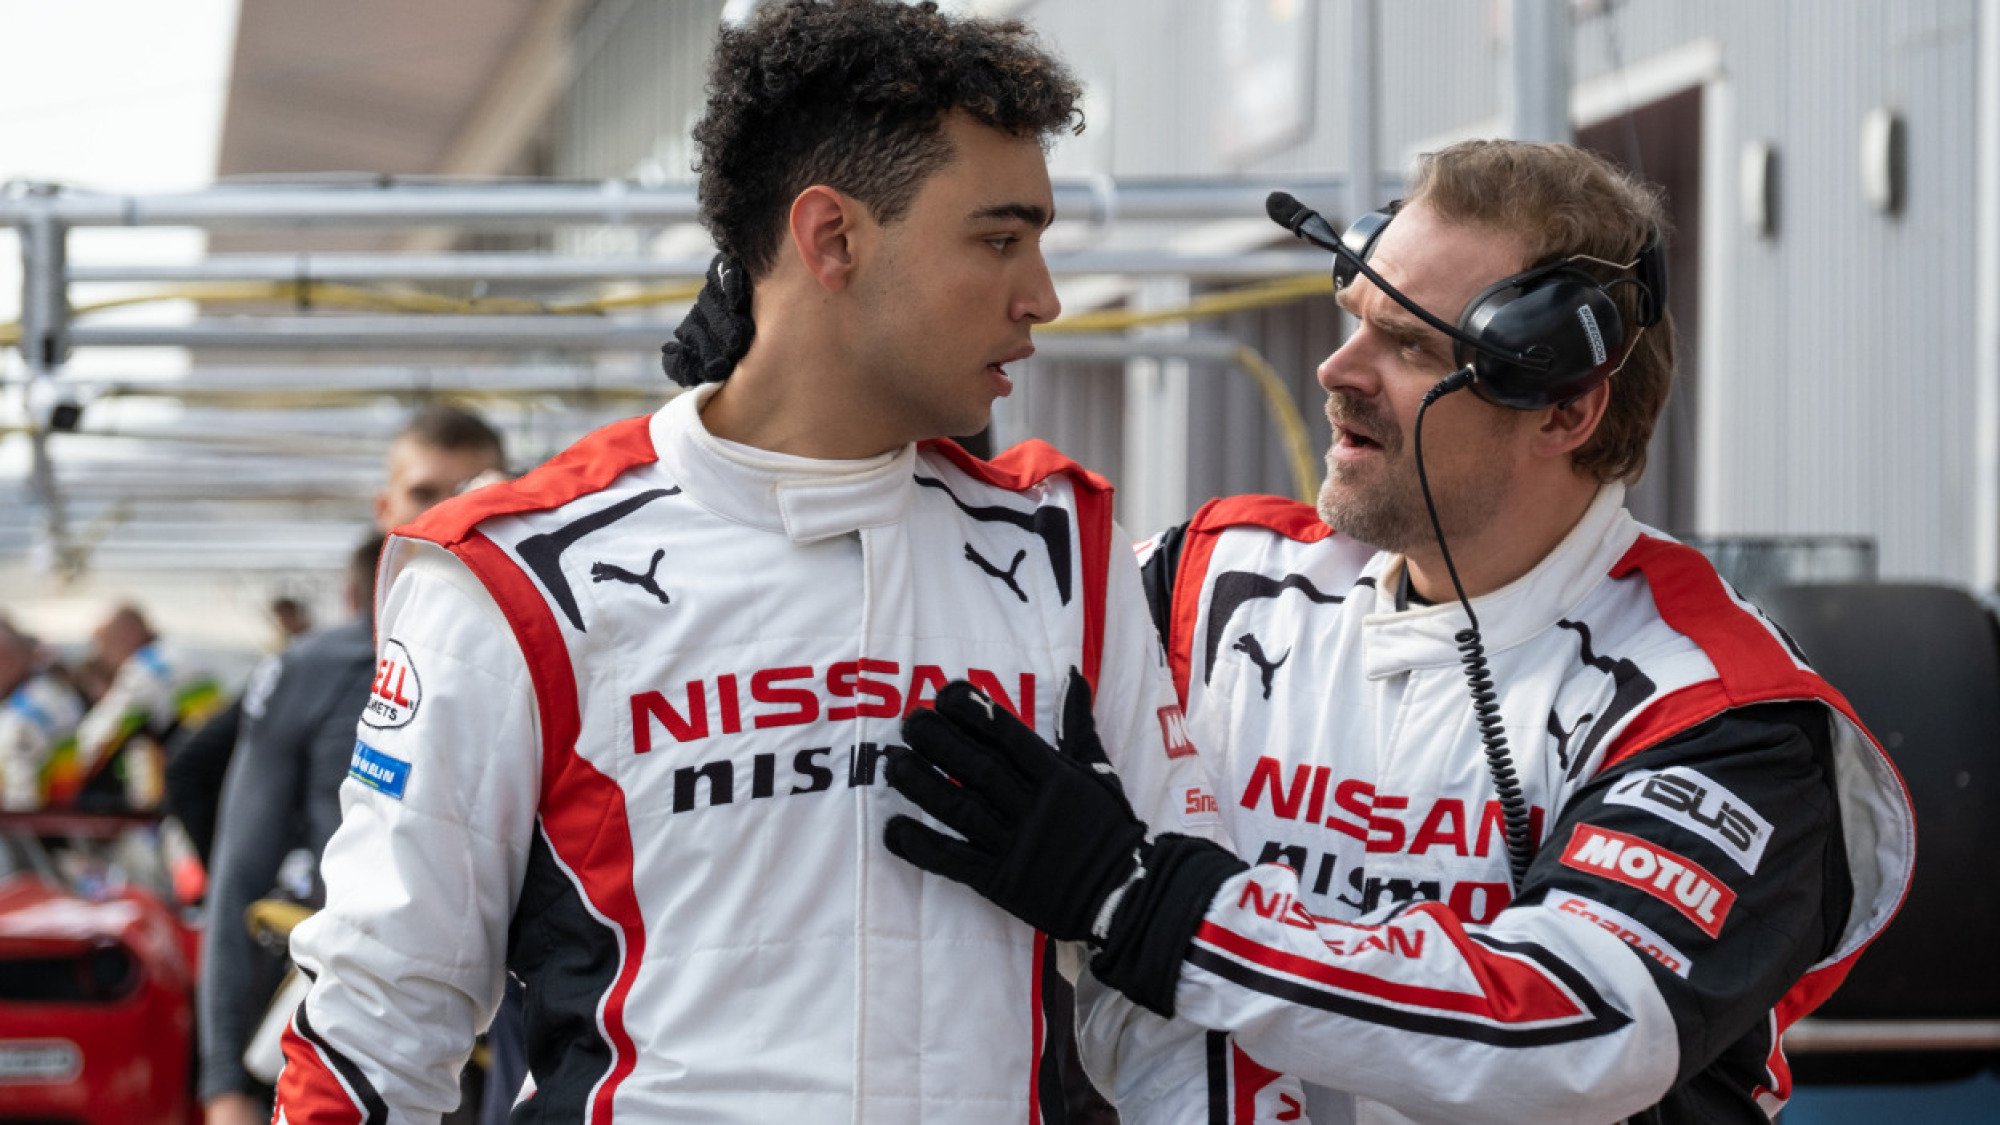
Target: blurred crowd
x: 239, y: 781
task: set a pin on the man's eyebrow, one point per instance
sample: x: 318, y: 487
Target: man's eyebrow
x: 1394, y: 321
x: 1033, y: 214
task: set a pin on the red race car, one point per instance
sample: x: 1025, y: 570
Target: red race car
x: 96, y: 975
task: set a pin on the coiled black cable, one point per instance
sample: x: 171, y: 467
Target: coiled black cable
x: 1472, y: 655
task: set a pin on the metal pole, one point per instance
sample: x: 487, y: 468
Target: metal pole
x: 1363, y: 91
x: 472, y: 333
x: 1538, y: 80
x: 553, y: 268
x: 1810, y: 1035
x: 45, y: 347
x: 1985, y: 514
x: 612, y: 202
x: 448, y: 378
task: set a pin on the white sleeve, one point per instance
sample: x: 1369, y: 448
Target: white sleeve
x: 438, y: 812
x: 1157, y: 1070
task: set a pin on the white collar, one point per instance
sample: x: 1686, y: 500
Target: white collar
x: 804, y: 499
x: 1422, y: 636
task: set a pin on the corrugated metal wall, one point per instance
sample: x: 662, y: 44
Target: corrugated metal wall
x: 1838, y: 396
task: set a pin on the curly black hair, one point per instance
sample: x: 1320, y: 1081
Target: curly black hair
x: 853, y: 94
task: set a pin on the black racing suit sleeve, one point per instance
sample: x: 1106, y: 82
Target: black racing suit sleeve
x: 195, y: 769
x: 1787, y: 913
x: 1157, y: 576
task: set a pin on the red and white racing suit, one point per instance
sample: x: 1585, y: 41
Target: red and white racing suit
x: 625, y: 741
x: 1718, y: 836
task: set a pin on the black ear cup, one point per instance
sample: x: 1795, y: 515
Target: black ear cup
x: 1562, y: 325
x: 1540, y: 337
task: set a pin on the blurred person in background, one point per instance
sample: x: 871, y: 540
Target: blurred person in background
x: 439, y: 451
x: 155, y: 691
x: 292, y: 618
x: 626, y: 744
x: 281, y: 795
x: 39, y: 713
x: 1592, y: 880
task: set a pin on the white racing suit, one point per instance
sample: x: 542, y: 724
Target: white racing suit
x: 38, y: 716
x: 1717, y: 836
x: 625, y: 740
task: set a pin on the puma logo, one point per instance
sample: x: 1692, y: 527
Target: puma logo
x: 1268, y: 668
x: 607, y: 572
x: 1007, y: 575
x: 1562, y: 736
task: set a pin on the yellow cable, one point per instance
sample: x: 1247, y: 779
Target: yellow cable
x: 1264, y: 294
x: 1291, y: 424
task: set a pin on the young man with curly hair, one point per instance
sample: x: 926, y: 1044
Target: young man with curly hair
x: 627, y: 725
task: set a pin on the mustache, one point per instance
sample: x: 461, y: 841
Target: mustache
x: 1367, y: 419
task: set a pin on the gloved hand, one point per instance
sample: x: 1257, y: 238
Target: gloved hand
x: 716, y: 332
x: 1048, y: 837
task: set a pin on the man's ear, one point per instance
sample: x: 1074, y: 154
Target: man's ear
x: 1566, y: 427
x: 825, y: 227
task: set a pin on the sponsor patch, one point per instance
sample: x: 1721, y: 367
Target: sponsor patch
x: 1682, y: 796
x: 1174, y: 733
x: 1624, y: 927
x: 1199, y: 808
x: 1658, y: 871
x: 381, y: 772
x: 397, y: 692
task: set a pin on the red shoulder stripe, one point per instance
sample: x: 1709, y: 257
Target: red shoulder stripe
x: 1197, y: 547
x: 1020, y: 467
x: 1288, y: 518
x: 1751, y: 664
x: 589, y: 465
x: 582, y: 811
x: 1028, y: 464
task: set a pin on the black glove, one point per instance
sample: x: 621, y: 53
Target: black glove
x: 1047, y: 837
x: 716, y: 332
x: 1050, y: 838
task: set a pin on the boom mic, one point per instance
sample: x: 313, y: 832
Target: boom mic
x: 1301, y: 220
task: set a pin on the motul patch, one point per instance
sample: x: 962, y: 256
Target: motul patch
x: 396, y: 692
x: 1174, y: 734
x: 1661, y: 872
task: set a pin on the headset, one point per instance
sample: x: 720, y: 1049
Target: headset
x: 1534, y: 339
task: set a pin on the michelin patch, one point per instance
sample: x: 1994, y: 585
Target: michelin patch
x: 381, y: 772
x: 397, y: 692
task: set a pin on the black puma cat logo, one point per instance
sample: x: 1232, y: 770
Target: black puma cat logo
x: 1007, y: 575
x: 1247, y: 645
x: 607, y: 572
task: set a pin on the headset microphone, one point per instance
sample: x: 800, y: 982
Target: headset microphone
x: 1301, y: 220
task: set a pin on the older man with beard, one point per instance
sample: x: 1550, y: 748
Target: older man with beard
x: 1548, y: 824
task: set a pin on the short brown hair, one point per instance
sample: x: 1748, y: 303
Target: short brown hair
x: 454, y: 430
x: 1565, y: 201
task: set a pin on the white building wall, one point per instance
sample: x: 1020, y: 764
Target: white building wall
x: 1838, y: 382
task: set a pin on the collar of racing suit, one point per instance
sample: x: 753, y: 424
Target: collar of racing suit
x: 804, y: 499
x: 1421, y: 636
